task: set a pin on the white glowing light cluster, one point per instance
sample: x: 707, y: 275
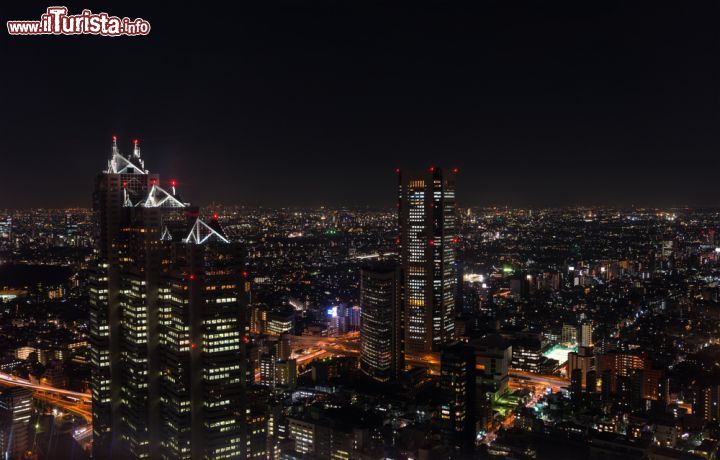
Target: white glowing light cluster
x: 202, y: 232
x: 118, y: 164
x: 158, y: 197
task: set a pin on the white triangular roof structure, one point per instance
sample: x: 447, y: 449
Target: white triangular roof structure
x: 202, y: 233
x: 158, y: 197
x: 118, y: 164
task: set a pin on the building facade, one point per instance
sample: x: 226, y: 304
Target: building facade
x: 428, y: 236
x: 458, y: 387
x: 381, y: 352
x: 167, y: 301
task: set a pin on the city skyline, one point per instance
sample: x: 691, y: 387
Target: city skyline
x: 326, y: 230
x: 299, y: 103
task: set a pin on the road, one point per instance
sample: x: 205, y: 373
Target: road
x: 11, y: 380
x: 77, y: 408
x: 349, y: 345
x: 55, y: 396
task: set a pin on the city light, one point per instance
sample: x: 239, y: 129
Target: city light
x: 324, y: 284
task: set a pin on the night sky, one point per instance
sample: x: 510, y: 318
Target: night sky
x: 305, y: 103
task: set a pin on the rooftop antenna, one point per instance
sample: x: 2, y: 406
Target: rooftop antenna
x: 136, y: 148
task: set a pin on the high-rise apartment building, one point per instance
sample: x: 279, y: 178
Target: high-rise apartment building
x: 381, y: 353
x: 707, y: 403
x: 583, y: 360
x: 428, y: 236
x: 168, y: 304
x: 584, y: 335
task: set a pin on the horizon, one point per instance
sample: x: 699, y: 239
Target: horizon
x: 302, y: 103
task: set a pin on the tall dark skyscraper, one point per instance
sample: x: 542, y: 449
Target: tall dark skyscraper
x: 124, y: 179
x: 458, y: 387
x: 381, y: 353
x: 202, y: 327
x: 428, y: 235
x: 167, y: 323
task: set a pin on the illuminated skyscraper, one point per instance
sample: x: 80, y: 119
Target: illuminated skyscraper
x: 202, y: 327
x: 428, y: 236
x: 381, y: 354
x: 167, y: 322
x: 124, y: 179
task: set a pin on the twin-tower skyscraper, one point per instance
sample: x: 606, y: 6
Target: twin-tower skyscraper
x: 168, y: 301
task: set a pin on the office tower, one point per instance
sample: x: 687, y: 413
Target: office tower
x: 337, y: 320
x: 254, y: 434
x: 303, y: 433
x: 321, y: 436
x: 584, y: 335
x: 280, y: 321
x: 167, y: 320
x: 428, y: 236
x: 527, y: 351
x: 117, y: 188
x: 203, y: 326
x: 15, y: 412
x: 457, y: 384
x: 381, y: 354
x: 268, y: 371
x: 276, y: 430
